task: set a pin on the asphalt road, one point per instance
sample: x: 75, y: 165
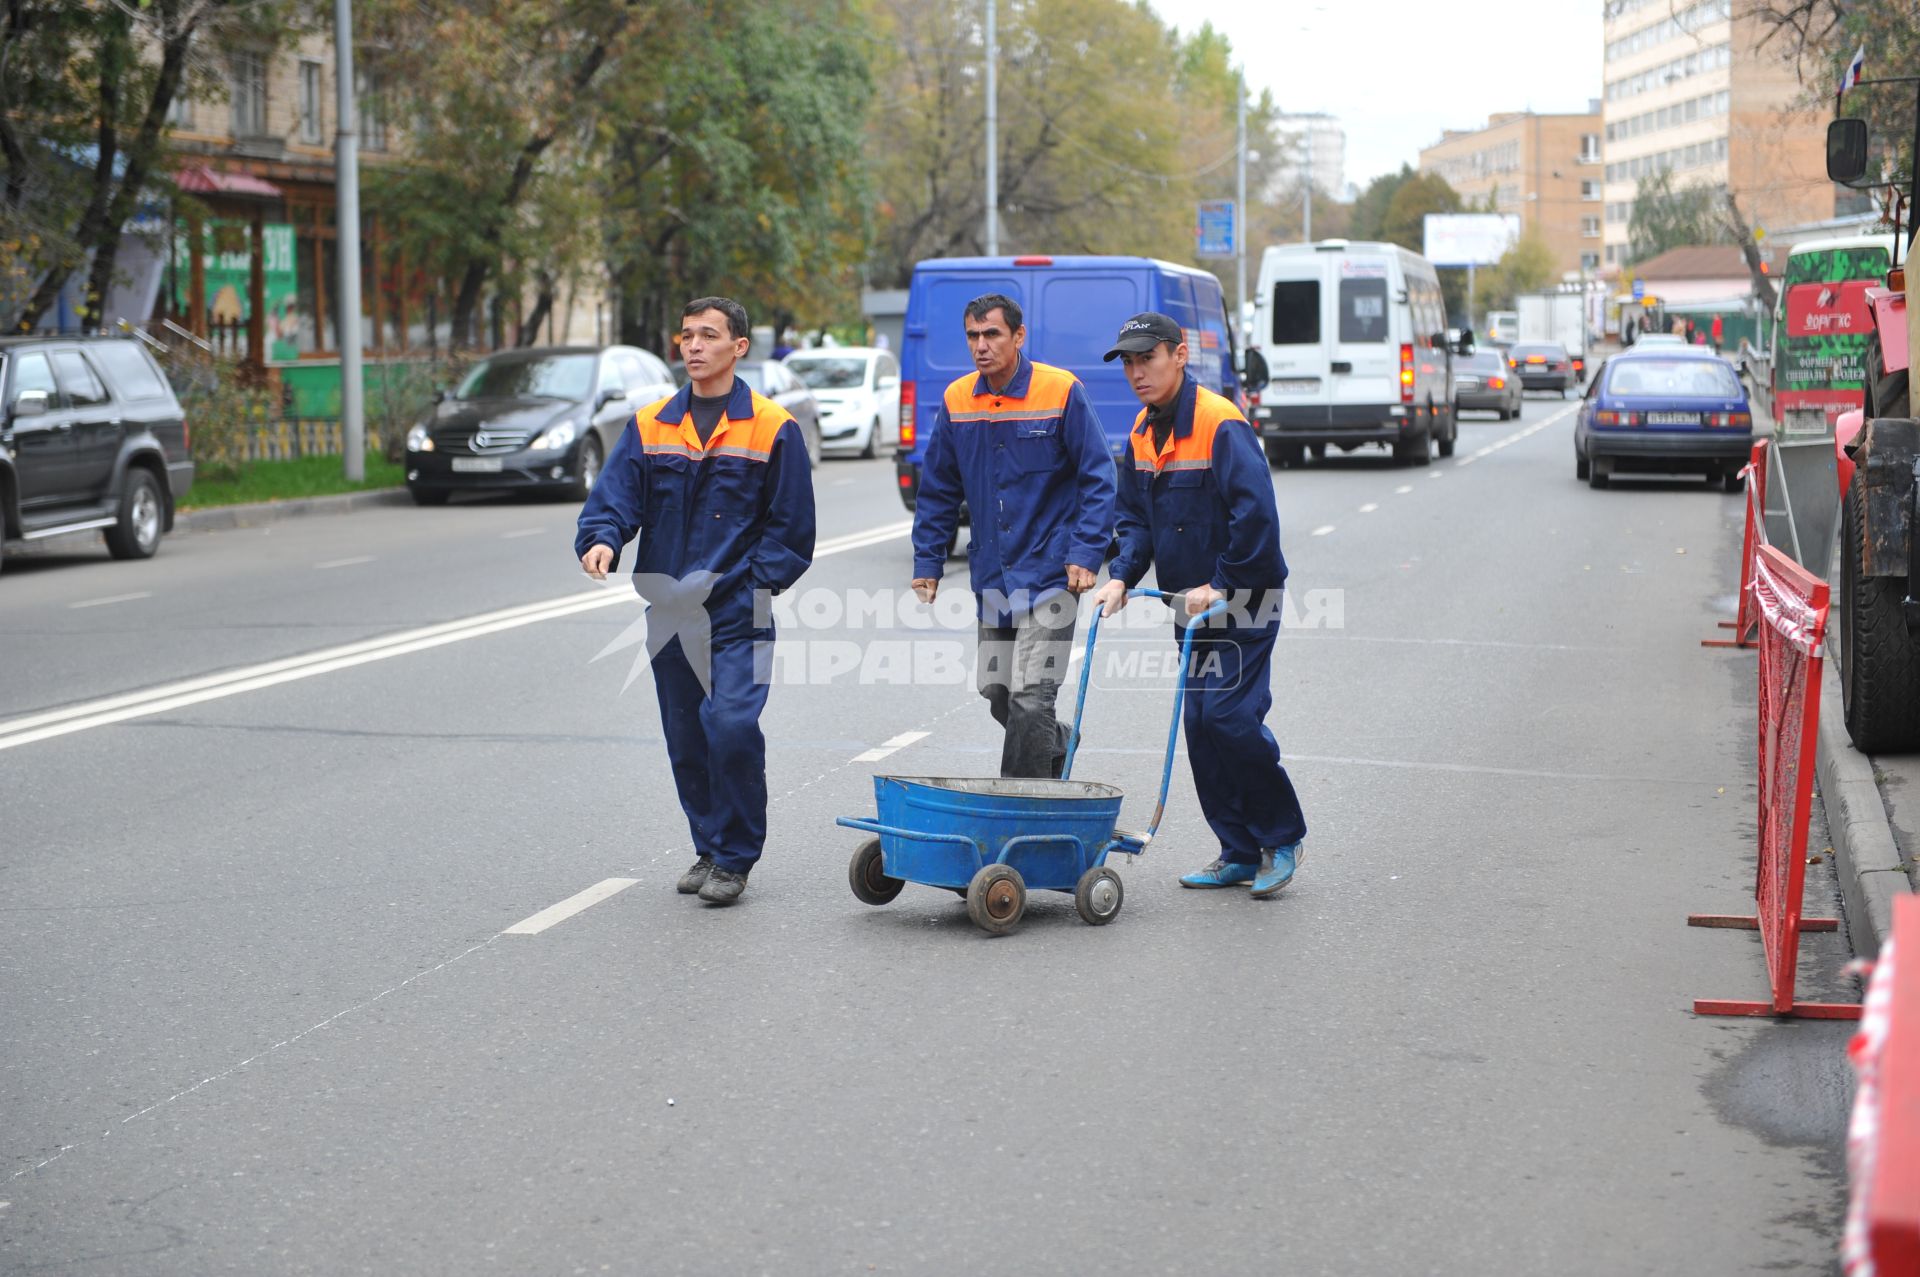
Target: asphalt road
x: 264, y: 1013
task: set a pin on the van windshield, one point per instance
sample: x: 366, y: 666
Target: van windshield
x: 1296, y: 312
x: 1363, y: 310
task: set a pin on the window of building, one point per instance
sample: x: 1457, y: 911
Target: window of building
x: 310, y: 102
x: 1589, y: 228
x: 249, y: 94
x: 1589, y: 148
x: 373, y: 110
x: 1589, y: 189
x: 180, y: 110
x: 1589, y: 261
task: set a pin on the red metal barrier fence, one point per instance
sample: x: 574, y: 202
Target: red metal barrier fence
x: 1792, y: 605
x: 1883, y: 1140
x: 1748, y: 617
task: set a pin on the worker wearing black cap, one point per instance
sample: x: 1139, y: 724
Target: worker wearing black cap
x: 1196, y: 505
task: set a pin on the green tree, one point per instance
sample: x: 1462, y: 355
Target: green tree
x: 99, y: 76
x: 1369, y: 218
x: 1665, y: 217
x: 1527, y: 267
x: 1419, y: 195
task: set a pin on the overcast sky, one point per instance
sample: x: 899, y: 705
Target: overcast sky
x: 1396, y: 72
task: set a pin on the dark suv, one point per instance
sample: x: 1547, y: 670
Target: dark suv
x: 91, y: 436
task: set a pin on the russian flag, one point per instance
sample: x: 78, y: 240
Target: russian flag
x: 1852, y: 77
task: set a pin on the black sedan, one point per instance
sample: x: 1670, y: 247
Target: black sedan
x: 1483, y: 381
x: 543, y: 418
x: 1542, y: 366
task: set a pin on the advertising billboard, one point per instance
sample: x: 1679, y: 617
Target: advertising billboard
x: 1469, y: 239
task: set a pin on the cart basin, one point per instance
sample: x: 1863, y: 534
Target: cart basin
x: 1073, y: 819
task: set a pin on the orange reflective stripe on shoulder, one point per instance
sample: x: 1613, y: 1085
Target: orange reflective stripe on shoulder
x: 1195, y: 450
x: 1047, y: 391
x: 751, y: 438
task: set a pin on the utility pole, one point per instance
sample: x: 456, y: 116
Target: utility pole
x: 346, y: 185
x: 1240, y: 219
x: 1306, y: 183
x: 993, y: 134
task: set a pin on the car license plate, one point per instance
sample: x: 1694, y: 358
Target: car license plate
x: 1673, y: 418
x: 1467, y: 383
x: 1297, y: 385
x: 476, y: 465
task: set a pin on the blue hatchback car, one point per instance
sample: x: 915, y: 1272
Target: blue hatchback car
x: 1664, y: 410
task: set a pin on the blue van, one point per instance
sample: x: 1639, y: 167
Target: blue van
x: 1073, y: 307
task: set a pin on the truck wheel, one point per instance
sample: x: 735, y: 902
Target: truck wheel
x: 1285, y: 455
x: 1879, y: 669
x: 1417, y: 451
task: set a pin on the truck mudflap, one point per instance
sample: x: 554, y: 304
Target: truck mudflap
x: 1889, y: 453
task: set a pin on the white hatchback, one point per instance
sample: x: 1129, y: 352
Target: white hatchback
x: 858, y: 389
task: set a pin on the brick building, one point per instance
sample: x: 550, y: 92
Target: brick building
x: 1546, y: 168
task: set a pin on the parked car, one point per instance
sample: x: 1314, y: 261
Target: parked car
x: 1483, y: 381
x: 1659, y: 339
x: 544, y: 418
x: 92, y: 437
x: 1541, y: 366
x: 858, y: 391
x: 1669, y: 409
x: 788, y: 391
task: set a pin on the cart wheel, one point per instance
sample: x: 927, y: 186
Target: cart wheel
x: 868, y: 875
x: 996, y: 898
x: 1098, y: 896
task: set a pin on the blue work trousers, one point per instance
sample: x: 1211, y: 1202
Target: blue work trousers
x: 714, y: 742
x: 1244, y: 792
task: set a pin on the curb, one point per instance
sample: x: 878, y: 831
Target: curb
x: 223, y: 517
x: 1865, y: 855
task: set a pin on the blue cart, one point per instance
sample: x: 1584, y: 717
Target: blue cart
x: 992, y: 839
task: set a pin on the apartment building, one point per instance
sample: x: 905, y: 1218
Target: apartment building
x: 260, y: 160
x: 1320, y: 140
x: 1545, y: 168
x: 1691, y: 91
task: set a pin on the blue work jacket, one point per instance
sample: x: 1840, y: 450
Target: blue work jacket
x: 738, y: 505
x: 1031, y: 463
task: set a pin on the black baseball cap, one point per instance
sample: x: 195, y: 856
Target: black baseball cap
x: 1143, y: 332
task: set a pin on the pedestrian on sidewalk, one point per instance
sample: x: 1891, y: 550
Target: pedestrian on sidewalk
x: 1196, y: 505
x: 717, y: 482
x: 1020, y: 444
x: 1718, y: 330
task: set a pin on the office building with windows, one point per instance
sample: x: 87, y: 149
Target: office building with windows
x: 1545, y: 168
x: 1694, y: 91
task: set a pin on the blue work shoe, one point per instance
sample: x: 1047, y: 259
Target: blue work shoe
x: 1221, y: 873
x: 1277, y: 867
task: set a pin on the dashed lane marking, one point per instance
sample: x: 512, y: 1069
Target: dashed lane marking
x: 889, y: 746
x: 353, y: 562
x: 113, y: 598
x: 571, y: 905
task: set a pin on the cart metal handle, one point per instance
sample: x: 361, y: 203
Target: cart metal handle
x: 1179, y: 694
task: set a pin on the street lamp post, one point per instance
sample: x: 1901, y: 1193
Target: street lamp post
x: 346, y: 179
x: 993, y: 129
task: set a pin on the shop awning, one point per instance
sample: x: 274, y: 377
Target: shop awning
x: 202, y: 180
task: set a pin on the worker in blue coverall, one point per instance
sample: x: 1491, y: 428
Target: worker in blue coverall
x: 1019, y: 442
x: 1196, y: 504
x: 717, y: 483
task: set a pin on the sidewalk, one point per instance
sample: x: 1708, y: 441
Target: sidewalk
x: 1873, y: 805
x: 259, y: 514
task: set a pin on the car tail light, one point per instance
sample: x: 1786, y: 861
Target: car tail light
x: 1579, y: 364
x: 906, y: 481
x: 1406, y: 372
x: 1731, y: 420
x: 1536, y: 359
x: 1496, y: 383
x: 909, y: 398
x: 1609, y: 418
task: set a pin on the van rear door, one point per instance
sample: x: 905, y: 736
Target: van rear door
x: 1076, y: 314
x: 1364, y: 366
x: 1295, y: 343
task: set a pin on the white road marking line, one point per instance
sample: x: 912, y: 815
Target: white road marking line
x: 1516, y: 436
x: 1403, y: 490
x: 571, y: 905
x: 355, y: 561
x: 113, y: 598
x: 1435, y: 474
x: 158, y: 700
x: 523, y: 532
x: 1322, y: 530
x: 842, y: 483
x: 893, y: 745
x: 1369, y: 507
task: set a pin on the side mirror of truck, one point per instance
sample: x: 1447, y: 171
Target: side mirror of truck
x: 1254, y: 375
x: 1463, y: 342
x: 1846, y: 150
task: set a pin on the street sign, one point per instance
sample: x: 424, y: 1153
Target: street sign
x: 1639, y: 289
x: 1468, y: 239
x: 1216, y: 230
